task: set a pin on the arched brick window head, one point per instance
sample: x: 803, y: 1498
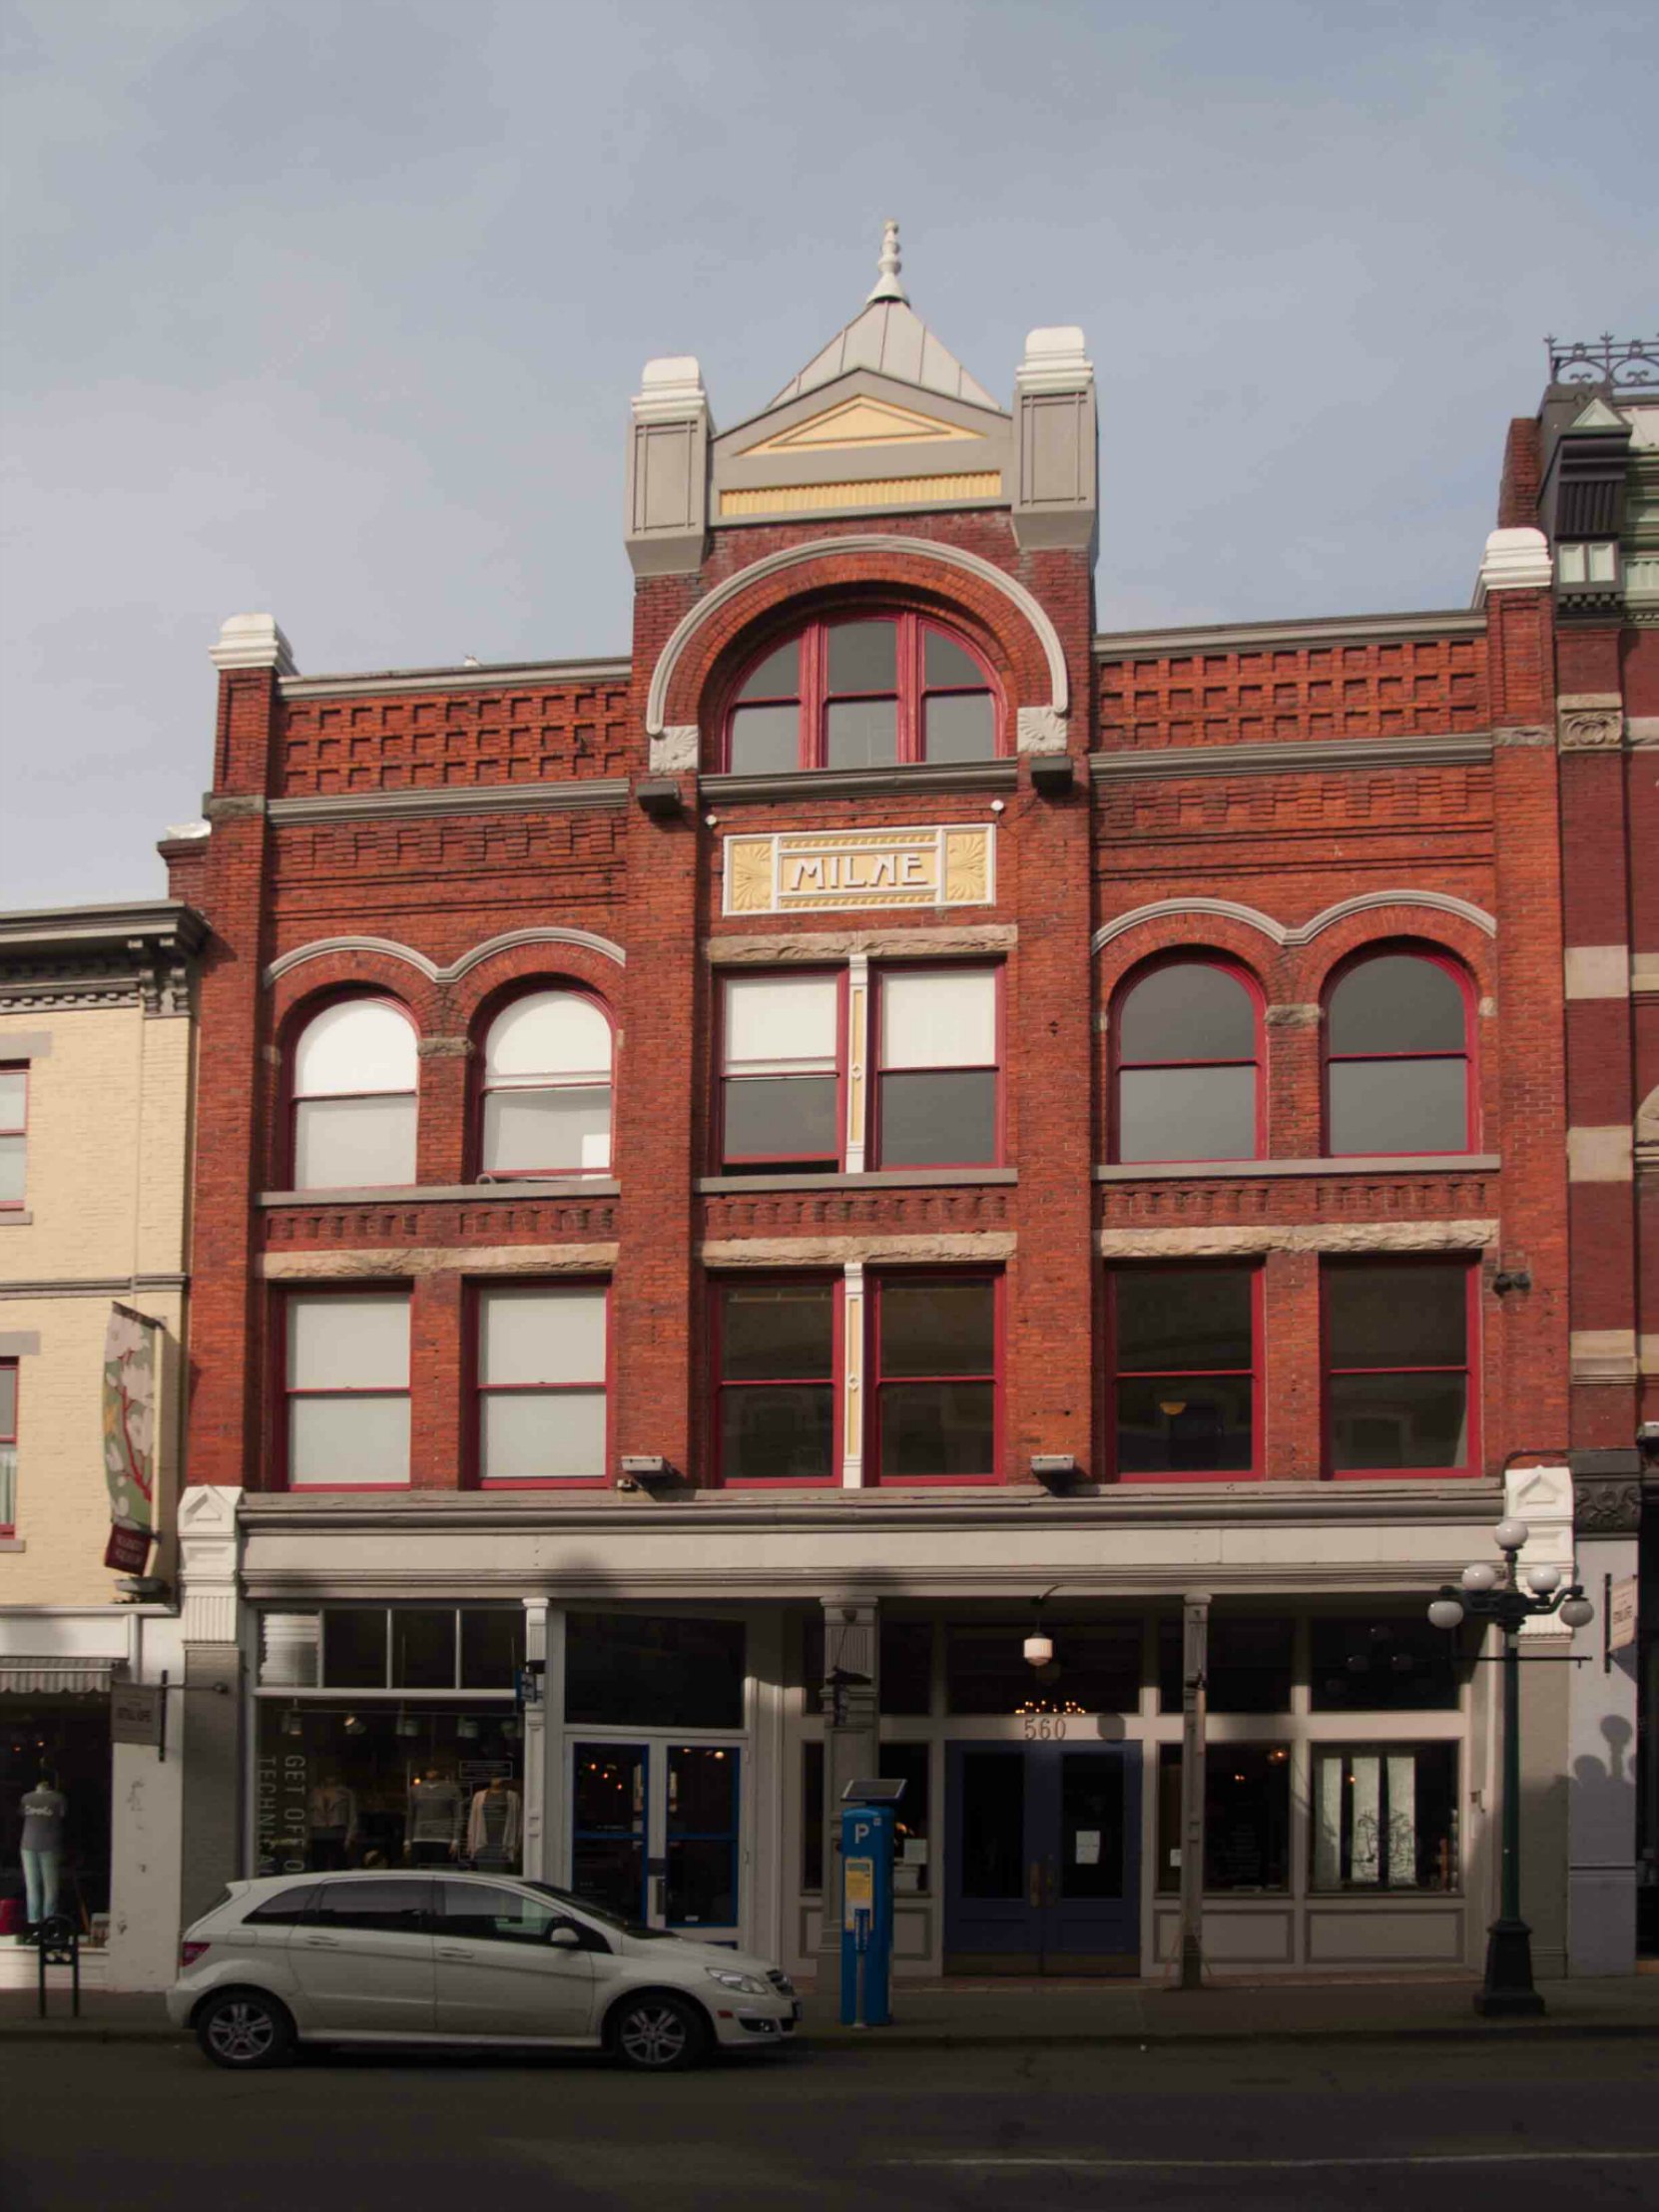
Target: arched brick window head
x: 1188, y: 1055
x: 354, y: 1087
x: 547, y: 1088
x: 1398, y: 1057
x: 863, y: 692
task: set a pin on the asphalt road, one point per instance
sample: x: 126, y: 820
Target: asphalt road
x: 1276, y: 2128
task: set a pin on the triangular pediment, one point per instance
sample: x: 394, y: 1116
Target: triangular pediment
x: 1599, y: 416
x: 860, y: 423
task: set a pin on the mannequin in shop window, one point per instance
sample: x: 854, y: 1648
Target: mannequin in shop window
x: 45, y: 1816
x: 436, y: 1818
x: 494, y: 1824
x: 331, y: 1821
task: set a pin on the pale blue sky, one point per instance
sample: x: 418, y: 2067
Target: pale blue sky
x: 333, y: 307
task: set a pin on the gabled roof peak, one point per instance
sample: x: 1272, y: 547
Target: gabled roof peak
x: 890, y: 339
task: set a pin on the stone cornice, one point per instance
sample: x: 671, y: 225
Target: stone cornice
x: 1448, y: 1163
x: 1247, y: 637
x: 1318, y: 755
x: 508, y: 676
x: 541, y: 797
x: 799, y: 786
x: 90, y: 956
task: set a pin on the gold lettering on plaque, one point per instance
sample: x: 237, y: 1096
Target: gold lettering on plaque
x: 799, y: 870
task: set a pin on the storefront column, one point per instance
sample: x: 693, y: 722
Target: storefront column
x: 209, y: 1738
x: 1194, y: 1658
x: 1602, y: 1722
x: 852, y: 1739
x: 540, y: 1812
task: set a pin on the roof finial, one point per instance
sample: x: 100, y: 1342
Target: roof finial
x: 887, y: 285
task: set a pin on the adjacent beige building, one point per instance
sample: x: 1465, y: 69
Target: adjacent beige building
x: 97, y: 1072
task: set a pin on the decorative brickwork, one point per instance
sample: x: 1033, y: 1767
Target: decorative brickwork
x: 455, y: 743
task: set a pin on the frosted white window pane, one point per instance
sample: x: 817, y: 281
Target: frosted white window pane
x: 1364, y: 1862
x: 347, y: 1144
x: 547, y: 1132
x: 556, y: 1436
x: 13, y: 1163
x: 1327, y: 1819
x: 353, y: 1344
x: 1601, y: 564
x: 1402, y: 1820
x: 549, y: 1033
x: 348, y: 1439
x: 1569, y: 563
x: 355, y: 1047
x: 943, y: 1019
x: 542, y: 1336
x: 14, y: 1093
x: 780, y: 1020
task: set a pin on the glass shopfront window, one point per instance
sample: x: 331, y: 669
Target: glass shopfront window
x: 392, y: 1647
x: 633, y: 1670
x: 911, y: 1870
x: 58, y: 1742
x: 383, y: 1784
x: 1246, y: 1668
x: 1385, y: 1816
x: 1096, y: 1668
x: 1403, y: 1665
x: 1246, y: 1817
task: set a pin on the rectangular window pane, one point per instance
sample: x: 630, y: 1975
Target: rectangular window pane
x: 766, y: 741
x: 1416, y: 1316
x: 1184, y: 1425
x: 342, y: 1144
x: 909, y: 1763
x: 905, y: 1680
x: 1187, y: 1113
x: 352, y: 1343
x: 424, y: 1647
x: 778, y: 1433
x: 993, y: 1825
x: 782, y: 1117
x: 354, y: 1647
x: 776, y: 1330
x: 541, y: 1336
x: 778, y: 676
x: 1248, y: 1669
x: 14, y: 1092
x: 1385, y: 1818
x: 961, y: 728
x: 1177, y: 1317
x: 492, y: 1646
x: 941, y: 1018
x: 1246, y: 1817
x: 643, y: 1671
x: 553, y: 1131
x: 1100, y: 1667
x: 8, y: 1403
x: 938, y: 1429
x: 1399, y: 1421
x: 13, y: 1162
x: 1091, y: 1824
x: 937, y: 1327
x: 860, y: 733
x: 864, y: 657
x: 542, y: 1436
x: 1400, y: 1665
x: 781, y: 1023
x: 946, y: 1120
x: 1398, y: 1106
x: 348, y: 1440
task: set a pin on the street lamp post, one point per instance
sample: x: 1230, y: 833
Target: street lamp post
x: 1496, y: 1595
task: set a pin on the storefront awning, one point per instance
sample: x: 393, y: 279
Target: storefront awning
x: 56, y: 1677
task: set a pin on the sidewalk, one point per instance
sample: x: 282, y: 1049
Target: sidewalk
x: 989, y: 2015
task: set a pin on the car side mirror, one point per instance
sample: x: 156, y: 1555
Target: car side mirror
x: 564, y: 1937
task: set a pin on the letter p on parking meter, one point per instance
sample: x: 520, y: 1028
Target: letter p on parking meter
x: 867, y: 1901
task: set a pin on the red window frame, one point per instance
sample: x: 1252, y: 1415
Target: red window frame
x: 819, y: 1279
x: 483, y: 1087
x: 806, y: 1163
x: 1117, y: 1065
x: 286, y: 1393
x: 876, y: 1382
x: 8, y: 1435
x: 1470, y: 1369
x: 1471, y: 1086
x: 878, y: 978
x: 477, y: 1390
x: 19, y: 1129
x: 1115, y: 1374
x: 910, y: 697
x: 293, y: 1099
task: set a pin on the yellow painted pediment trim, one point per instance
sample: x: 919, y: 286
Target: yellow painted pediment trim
x: 861, y: 422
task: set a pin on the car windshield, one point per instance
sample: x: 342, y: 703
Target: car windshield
x: 600, y: 1912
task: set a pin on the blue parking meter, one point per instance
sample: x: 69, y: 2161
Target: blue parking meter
x: 867, y: 1901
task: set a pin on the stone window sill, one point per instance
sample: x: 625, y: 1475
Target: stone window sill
x: 878, y: 1179
x: 16, y: 1216
x: 14, y: 1544
x: 1404, y: 1163
x: 451, y: 1194
x: 861, y: 782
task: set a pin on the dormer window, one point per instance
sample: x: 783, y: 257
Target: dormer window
x: 863, y: 692
x: 1587, y: 563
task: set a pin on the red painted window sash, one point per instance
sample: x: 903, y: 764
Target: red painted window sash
x: 484, y: 1089
x: 1116, y: 1374
x: 19, y: 1129
x: 1468, y: 1367
x: 910, y: 697
x: 1118, y: 1066
x: 807, y: 1160
x: 285, y: 1392
x: 1330, y: 1060
x: 471, y: 1473
x: 880, y: 1381
x: 999, y: 1133
x: 832, y: 1382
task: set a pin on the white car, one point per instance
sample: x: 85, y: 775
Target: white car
x: 465, y: 1959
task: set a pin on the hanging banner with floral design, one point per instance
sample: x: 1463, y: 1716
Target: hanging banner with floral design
x: 130, y: 1436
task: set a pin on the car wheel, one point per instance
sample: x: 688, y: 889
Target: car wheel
x: 243, y: 2029
x: 658, y: 2033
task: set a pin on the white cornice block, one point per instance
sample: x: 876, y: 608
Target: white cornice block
x: 253, y: 641
x: 1517, y: 560
x: 1056, y: 360
x: 671, y: 390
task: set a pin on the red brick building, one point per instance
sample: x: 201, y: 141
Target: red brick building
x: 734, y: 1182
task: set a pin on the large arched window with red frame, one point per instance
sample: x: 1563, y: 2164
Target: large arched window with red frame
x: 860, y: 691
x: 546, y: 1088
x: 1397, y: 1055
x: 354, y: 1082
x: 1187, y: 1059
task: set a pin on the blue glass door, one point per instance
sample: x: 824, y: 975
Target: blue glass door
x: 610, y: 1826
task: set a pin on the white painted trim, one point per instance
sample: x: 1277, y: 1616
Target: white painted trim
x: 1227, y: 909
x: 322, y: 947
x: 794, y: 556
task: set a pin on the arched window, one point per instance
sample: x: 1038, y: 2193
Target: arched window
x: 355, y: 1084
x: 1188, y: 1064
x: 863, y: 692
x: 1396, y: 1072
x: 547, y: 1088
